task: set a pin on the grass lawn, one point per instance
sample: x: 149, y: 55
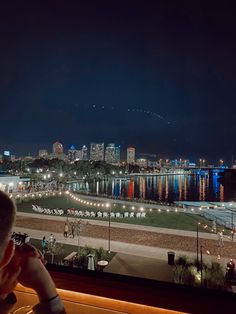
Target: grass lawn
x: 62, y: 250
x: 172, y: 220
x: 66, y: 248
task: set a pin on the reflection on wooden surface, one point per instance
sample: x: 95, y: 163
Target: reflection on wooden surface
x: 84, y: 303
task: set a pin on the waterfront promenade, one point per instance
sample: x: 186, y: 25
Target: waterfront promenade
x: 136, y: 245
x: 203, y: 235
x: 130, y: 239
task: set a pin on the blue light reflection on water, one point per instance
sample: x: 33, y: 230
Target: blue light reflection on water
x: 203, y: 187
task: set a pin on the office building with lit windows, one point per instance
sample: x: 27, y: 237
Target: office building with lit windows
x: 112, y: 154
x: 83, y: 153
x: 57, y: 148
x: 142, y: 162
x: 97, y: 151
x: 73, y: 153
x: 131, y: 155
x: 117, y: 154
x: 110, y: 151
x: 43, y: 153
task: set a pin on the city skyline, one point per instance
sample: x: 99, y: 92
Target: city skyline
x: 154, y: 75
x: 108, y: 151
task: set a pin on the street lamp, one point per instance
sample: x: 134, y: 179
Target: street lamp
x: 201, y: 264
x: 197, y: 246
x: 232, y: 224
x: 232, y: 221
x: 109, y: 228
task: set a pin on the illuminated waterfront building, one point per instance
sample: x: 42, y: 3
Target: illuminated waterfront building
x: 142, y: 162
x: 9, y: 183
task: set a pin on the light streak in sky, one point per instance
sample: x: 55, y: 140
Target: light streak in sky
x: 131, y: 110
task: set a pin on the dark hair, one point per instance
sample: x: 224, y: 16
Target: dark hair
x: 7, y: 217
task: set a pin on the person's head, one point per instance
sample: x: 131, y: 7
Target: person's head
x: 7, y: 218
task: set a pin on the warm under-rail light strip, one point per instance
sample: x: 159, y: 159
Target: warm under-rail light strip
x: 102, y: 302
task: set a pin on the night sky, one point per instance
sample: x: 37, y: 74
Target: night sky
x: 159, y: 75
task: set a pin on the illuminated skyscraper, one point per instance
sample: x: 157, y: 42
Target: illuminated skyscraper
x: 57, y: 148
x: 130, y: 155
x: 117, y: 154
x: 84, y: 153
x: 97, y: 151
x: 110, y: 151
x: 73, y: 154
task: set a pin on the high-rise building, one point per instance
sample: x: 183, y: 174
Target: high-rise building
x: 110, y: 152
x: 97, y: 151
x: 130, y: 155
x: 73, y: 153
x: 84, y: 153
x: 43, y: 153
x: 117, y: 154
x: 57, y: 148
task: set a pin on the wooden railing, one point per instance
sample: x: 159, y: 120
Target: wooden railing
x: 93, y: 292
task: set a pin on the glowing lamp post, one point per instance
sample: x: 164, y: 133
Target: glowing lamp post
x: 201, y: 264
x: 232, y: 221
x: 197, y: 246
x: 109, y: 228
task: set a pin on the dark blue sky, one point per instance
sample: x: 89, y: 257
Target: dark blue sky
x: 168, y: 58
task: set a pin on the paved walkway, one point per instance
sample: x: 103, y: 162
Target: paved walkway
x: 119, y: 247
x: 131, y: 259
x: 139, y: 266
